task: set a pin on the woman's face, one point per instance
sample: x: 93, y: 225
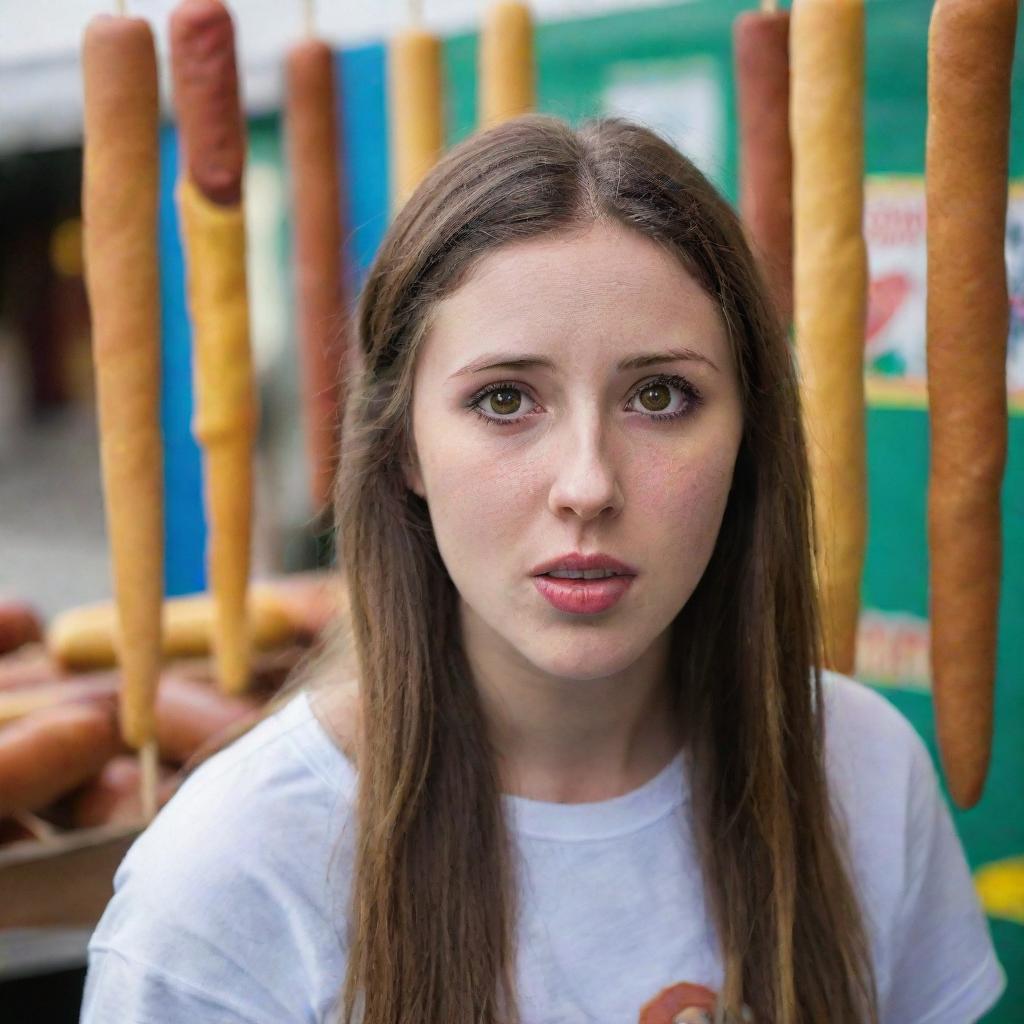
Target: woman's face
x: 576, y: 394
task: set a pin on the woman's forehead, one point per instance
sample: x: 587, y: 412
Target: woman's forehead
x: 606, y: 295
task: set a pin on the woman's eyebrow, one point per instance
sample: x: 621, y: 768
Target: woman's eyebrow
x: 508, y: 361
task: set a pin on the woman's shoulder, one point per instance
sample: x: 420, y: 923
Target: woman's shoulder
x: 933, y: 949
x: 864, y: 726
x: 876, y: 763
x: 236, y: 881
x: 280, y: 787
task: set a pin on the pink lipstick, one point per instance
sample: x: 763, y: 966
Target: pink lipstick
x: 583, y: 584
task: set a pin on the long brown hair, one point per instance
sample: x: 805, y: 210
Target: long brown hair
x: 433, y: 911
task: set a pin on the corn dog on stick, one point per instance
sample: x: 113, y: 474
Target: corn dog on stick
x: 415, y: 115
x: 506, y: 64
x: 209, y: 195
x: 826, y: 113
x: 225, y: 415
x: 970, y: 51
x: 119, y: 200
x: 312, y: 137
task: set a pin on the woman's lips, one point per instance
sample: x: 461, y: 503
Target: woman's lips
x: 587, y: 597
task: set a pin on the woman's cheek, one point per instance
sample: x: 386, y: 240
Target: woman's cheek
x: 684, y: 506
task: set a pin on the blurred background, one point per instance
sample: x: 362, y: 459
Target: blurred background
x: 668, y: 65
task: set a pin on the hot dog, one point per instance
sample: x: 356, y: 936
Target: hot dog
x: 213, y: 228
x: 19, y: 625
x: 17, y: 703
x: 120, y: 213
x: 970, y: 57
x: 113, y: 796
x: 826, y: 110
x: 30, y: 666
x: 761, y: 54
x: 188, y: 713
x: 55, y: 750
x: 312, y: 136
x: 206, y: 99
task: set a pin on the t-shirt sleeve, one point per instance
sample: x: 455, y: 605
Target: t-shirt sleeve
x: 148, y: 966
x: 119, y: 987
x: 944, y: 965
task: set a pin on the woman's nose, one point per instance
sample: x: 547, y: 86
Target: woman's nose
x: 585, y: 481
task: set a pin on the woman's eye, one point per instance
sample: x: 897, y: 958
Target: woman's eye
x: 662, y: 399
x: 503, y: 403
x: 665, y: 399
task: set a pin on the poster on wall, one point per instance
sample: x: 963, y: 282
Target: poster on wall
x: 681, y: 99
x: 894, y: 228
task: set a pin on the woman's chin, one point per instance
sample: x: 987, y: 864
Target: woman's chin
x: 589, y: 662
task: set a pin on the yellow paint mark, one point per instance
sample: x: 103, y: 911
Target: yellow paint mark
x: 1000, y: 887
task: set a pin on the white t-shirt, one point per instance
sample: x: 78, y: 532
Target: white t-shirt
x: 230, y: 907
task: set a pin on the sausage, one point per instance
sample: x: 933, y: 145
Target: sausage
x: 120, y: 191
x: 52, y: 751
x: 19, y: 625
x: 826, y: 111
x: 213, y: 230
x: 312, y: 601
x: 188, y: 713
x: 761, y: 57
x: 970, y: 57
x: 312, y: 137
x: 269, y: 669
x: 30, y: 666
x: 113, y: 797
x: 17, y: 703
x: 206, y: 98
x: 506, y: 66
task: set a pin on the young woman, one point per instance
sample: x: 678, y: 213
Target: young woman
x: 586, y: 765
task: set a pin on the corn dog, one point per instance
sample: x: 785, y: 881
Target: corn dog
x: 970, y: 55
x: 826, y: 101
x: 506, y: 65
x: 761, y: 55
x: 415, y: 115
x: 83, y: 638
x: 119, y: 200
x: 209, y: 199
x: 312, y: 137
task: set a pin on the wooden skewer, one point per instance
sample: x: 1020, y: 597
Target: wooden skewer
x: 148, y: 779
x: 769, y: 6
x: 415, y: 11
x: 309, y: 17
x: 39, y: 827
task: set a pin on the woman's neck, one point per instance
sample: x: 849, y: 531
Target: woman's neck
x: 573, y: 740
